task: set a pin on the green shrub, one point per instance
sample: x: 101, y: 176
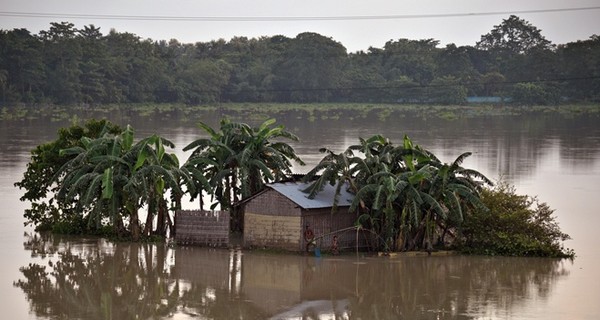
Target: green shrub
x: 515, y: 225
x: 529, y: 93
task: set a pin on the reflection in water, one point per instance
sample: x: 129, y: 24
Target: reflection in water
x: 91, y: 279
x: 509, y: 145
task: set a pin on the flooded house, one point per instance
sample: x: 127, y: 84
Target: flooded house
x: 282, y: 216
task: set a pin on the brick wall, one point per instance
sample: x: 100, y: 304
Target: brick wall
x: 207, y: 228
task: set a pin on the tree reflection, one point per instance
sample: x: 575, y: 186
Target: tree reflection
x: 95, y: 279
x: 452, y: 287
x: 120, y: 281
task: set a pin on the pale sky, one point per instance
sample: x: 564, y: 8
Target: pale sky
x: 443, y: 20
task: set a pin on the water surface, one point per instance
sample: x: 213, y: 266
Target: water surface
x: 549, y: 155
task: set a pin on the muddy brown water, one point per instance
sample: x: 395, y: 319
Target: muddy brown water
x: 549, y: 155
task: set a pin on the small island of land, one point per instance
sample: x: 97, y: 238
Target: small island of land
x: 95, y: 178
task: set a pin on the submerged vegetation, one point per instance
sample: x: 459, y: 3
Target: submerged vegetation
x: 308, y: 111
x: 95, y: 179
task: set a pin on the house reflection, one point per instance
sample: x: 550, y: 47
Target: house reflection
x: 280, y: 286
x: 295, y: 286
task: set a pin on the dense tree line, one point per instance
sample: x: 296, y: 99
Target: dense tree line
x: 68, y: 65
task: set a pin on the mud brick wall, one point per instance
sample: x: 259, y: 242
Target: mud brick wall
x: 269, y: 231
x: 271, y: 220
x: 205, y: 228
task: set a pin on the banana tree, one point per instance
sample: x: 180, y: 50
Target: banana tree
x: 111, y: 177
x: 335, y: 169
x: 97, y: 168
x: 380, y: 194
x: 457, y: 190
x: 238, y: 160
x: 155, y: 173
x: 261, y: 160
x: 212, y: 163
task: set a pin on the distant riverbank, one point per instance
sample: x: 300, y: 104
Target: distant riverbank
x: 308, y: 111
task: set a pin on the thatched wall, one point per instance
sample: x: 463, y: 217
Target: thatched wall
x: 326, y: 224
x: 196, y: 227
x: 273, y: 221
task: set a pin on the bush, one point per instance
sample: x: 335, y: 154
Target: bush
x: 514, y: 225
x: 448, y: 90
x: 535, y: 94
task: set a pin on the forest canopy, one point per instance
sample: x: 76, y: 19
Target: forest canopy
x: 514, y: 63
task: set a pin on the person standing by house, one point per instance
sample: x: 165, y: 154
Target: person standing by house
x: 308, y: 237
x: 334, y: 245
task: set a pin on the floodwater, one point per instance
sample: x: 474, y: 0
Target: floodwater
x: 555, y: 157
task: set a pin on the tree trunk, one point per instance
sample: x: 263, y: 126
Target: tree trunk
x: 134, y: 225
x: 149, y: 222
x: 200, y: 200
x: 160, y: 218
x: 171, y: 225
x: 417, y: 240
x: 150, y: 217
x: 120, y: 227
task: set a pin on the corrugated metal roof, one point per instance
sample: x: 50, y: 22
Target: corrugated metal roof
x: 323, y: 199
